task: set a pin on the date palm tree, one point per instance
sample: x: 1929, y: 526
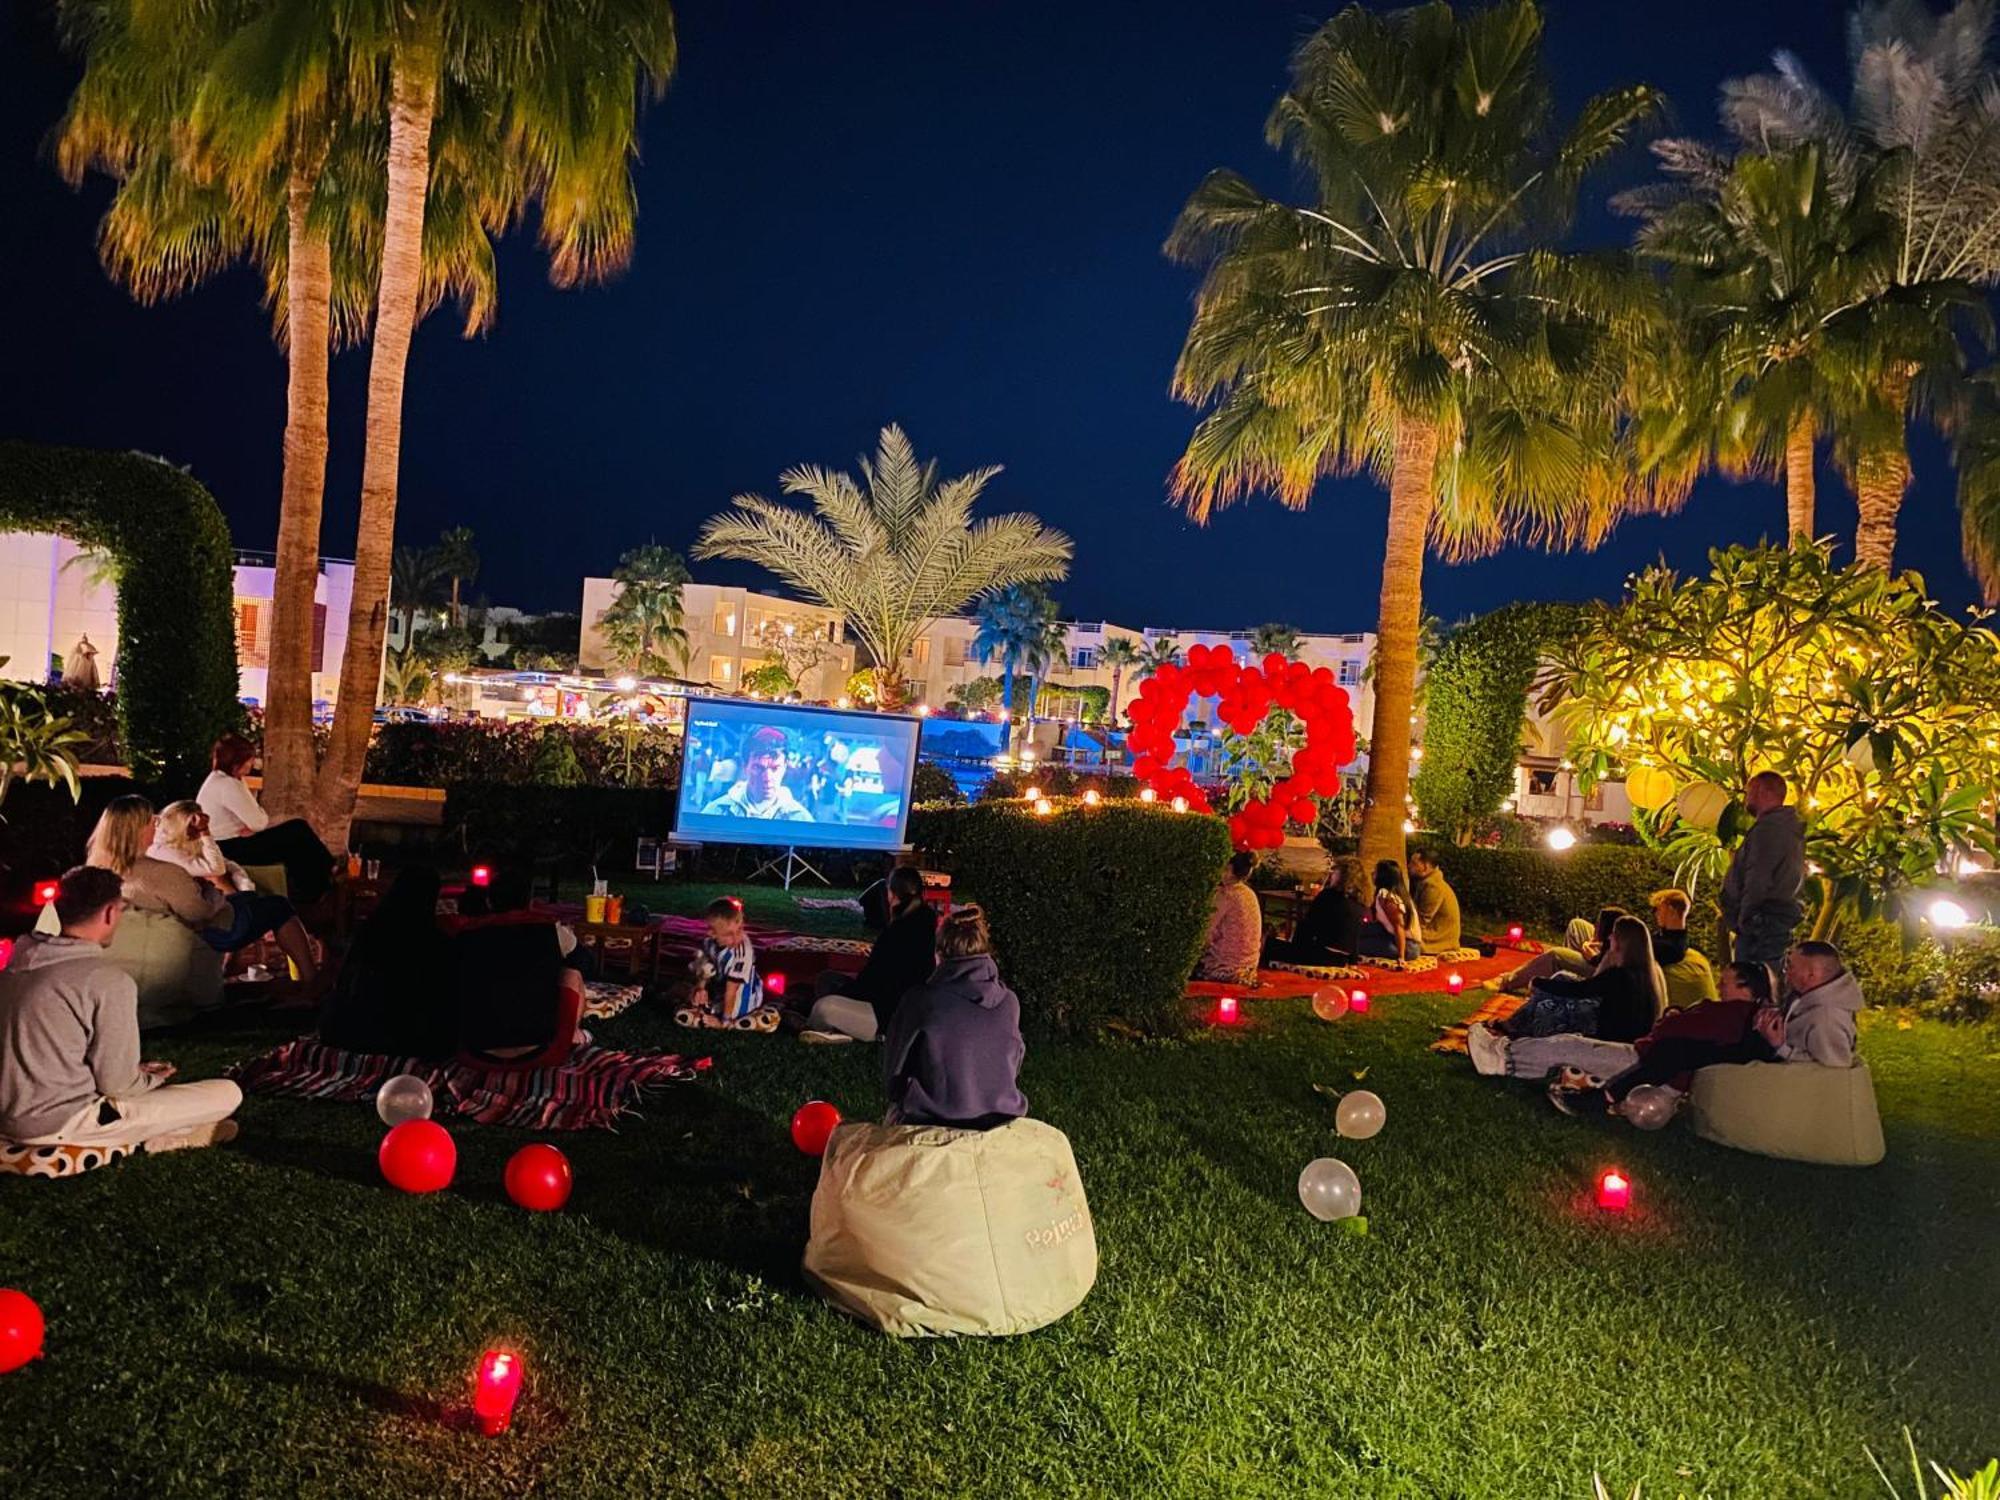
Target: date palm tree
x: 1162, y: 651
x: 1275, y: 637
x: 1923, y: 122
x: 413, y: 580
x: 643, y: 624
x: 1416, y: 319
x: 1018, y: 625
x: 457, y: 560
x: 893, y: 553
x: 1119, y: 653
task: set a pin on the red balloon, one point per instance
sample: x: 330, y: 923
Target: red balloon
x: 538, y: 1178
x: 21, y: 1330
x: 418, y: 1156
x: 813, y: 1125
x: 1305, y: 811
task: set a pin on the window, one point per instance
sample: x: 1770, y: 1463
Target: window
x: 1541, y: 783
x: 922, y: 653
x: 1083, y: 658
x: 725, y: 621
x: 250, y: 650
x: 722, y: 669
x: 1350, y: 672
x: 954, y: 651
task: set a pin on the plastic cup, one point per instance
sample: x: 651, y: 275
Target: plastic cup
x: 614, y: 909
x: 593, y: 908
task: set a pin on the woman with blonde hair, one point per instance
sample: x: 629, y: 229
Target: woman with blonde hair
x: 954, y: 1049
x: 182, y: 838
x: 122, y: 842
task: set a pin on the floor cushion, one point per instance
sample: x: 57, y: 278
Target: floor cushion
x: 919, y: 1230
x: 58, y: 1161
x: 1797, y: 1111
x: 177, y: 973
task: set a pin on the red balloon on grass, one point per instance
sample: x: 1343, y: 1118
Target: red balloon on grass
x: 538, y: 1178
x: 21, y: 1330
x: 813, y: 1125
x: 418, y: 1156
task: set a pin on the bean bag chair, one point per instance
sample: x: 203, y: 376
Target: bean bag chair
x: 1689, y: 982
x: 177, y: 973
x: 270, y: 880
x: 920, y: 1230
x: 1794, y: 1111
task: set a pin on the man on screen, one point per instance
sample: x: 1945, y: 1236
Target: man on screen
x: 762, y: 792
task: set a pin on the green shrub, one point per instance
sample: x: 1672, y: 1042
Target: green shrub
x: 1545, y: 889
x: 1955, y: 982
x: 1097, y: 913
x: 932, y: 783
x: 575, y: 825
x: 176, y: 604
x: 1060, y: 781
x: 524, y: 753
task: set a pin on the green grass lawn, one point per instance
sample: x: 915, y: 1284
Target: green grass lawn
x: 270, y: 1319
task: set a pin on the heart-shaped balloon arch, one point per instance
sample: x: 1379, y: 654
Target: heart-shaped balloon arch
x: 1246, y: 696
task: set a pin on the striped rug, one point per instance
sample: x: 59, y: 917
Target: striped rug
x: 1497, y: 1007
x: 588, y: 1092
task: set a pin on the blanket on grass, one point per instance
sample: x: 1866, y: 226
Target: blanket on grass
x: 1498, y: 1007
x: 588, y: 1092
x: 1422, y: 977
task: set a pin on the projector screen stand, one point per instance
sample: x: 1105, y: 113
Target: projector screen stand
x: 789, y: 866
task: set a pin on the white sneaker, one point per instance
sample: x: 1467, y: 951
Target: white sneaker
x: 825, y: 1038
x: 219, y: 1134
x: 1487, y: 1049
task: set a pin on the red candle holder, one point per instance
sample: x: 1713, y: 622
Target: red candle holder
x: 1454, y: 982
x: 482, y: 876
x: 1614, y: 1191
x: 1516, y: 932
x: 775, y: 983
x: 1228, y: 1011
x: 47, y: 891
x: 496, y: 1389
x: 1357, y: 1001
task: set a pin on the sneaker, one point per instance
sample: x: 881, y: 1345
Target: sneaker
x: 825, y: 1038
x: 1487, y: 1050
x: 219, y: 1134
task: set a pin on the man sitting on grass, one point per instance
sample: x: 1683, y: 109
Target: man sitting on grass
x: 858, y: 1007
x: 1437, y: 903
x: 70, y: 1073
x: 1236, y: 931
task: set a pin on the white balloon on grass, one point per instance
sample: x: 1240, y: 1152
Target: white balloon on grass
x: 1359, y: 1115
x: 404, y: 1097
x: 1329, y: 1189
x: 1651, y: 1106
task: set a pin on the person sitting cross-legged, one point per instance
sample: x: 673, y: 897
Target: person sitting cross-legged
x: 859, y: 1007
x: 1619, y: 1003
x: 1582, y: 949
x: 953, y: 1050
x: 70, y: 1073
x: 1436, y: 902
x: 1236, y: 930
x: 1329, y: 934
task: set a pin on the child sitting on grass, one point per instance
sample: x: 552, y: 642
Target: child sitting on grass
x: 728, y: 991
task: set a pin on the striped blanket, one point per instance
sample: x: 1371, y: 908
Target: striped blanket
x: 589, y: 1091
x: 1498, y: 1007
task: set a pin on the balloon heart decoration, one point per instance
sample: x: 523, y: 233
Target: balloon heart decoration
x: 1247, y: 695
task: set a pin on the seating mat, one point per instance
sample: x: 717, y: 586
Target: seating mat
x: 1498, y: 1007
x: 603, y: 999
x: 58, y: 1161
x: 1417, y: 977
x: 590, y: 1090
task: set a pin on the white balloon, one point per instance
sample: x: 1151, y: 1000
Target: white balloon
x: 1651, y: 1106
x: 1330, y: 1002
x: 404, y: 1097
x: 1359, y: 1115
x: 1329, y: 1189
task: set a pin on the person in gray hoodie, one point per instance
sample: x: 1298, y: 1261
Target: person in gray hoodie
x: 954, y: 1049
x: 70, y: 1073
x: 1760, y: 894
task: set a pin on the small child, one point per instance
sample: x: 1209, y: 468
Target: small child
x: 728, y: 991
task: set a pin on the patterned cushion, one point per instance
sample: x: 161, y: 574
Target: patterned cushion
x: 57, y: 1161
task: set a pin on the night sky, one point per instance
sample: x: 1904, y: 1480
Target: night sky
x: 946, y: 213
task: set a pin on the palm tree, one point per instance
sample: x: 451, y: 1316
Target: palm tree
x: 521, y: 103
x: 1923, y: 123
x: 405, y: 677
x: 458, y: 560
x: 1415, y: 318
x: 643, y: 624
x: 1017, y: 625
x: 1770, y: 262
x: 413, y: 579
x: 1117, y: 653
x: 1157, y: 653
x: 892, y: 554
x: 1281, y: 639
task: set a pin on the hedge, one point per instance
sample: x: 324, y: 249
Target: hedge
x: 1543, y: 889
x: 176, y: 591
x: 1097, y: 913
x: 576, y: 825
x: 533, y: 752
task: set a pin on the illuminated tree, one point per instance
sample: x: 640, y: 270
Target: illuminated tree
x: 1882, y: 712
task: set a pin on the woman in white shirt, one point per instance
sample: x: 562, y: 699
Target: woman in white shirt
x: 1392, y: 929
x: 245, y: 833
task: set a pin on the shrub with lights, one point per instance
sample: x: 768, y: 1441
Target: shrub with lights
x: 1882, y: 711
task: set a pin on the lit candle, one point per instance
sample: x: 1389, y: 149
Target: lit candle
x: 1180, y: 804
x: 1092, y: 797
x: 482, y: 876
x: 1149, y: 795
x: 1033, y: 794
x: 1043, y: 807
x: 1357, y: 1001
x: 496, y: 1389
x: 1226, y: 1010
x: 775, y: 983
x: 1516, y: 932
x: 1614, y: 1191
x: 47, y: 891
x: 1454, y: 982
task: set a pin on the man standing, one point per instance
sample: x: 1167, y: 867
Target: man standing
x: 1437, y: 903
x: 1760, y: 895
x: 762, y: 792
x: 70, y: 1073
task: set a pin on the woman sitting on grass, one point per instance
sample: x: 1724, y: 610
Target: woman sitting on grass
x: 1329, y: 933
x: 225, y: 921
x: 1582, y: 951
x: 1619, y: 1003
x: 1392, y: 929
x: 954, y: 1047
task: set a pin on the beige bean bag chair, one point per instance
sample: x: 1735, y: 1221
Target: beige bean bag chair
x: 1796, y: 1111
x: 177, y: 973
x: 919, y: 1230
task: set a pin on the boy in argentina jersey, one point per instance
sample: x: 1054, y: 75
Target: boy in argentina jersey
x: 727, y: 982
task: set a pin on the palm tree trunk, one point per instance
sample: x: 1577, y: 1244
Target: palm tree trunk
x: 454, y: 602
x: 288, y: 730
x: 1007, y: 698
x: 1881, y: 479
x: 1117, y: 682
x: 1411, y: 498
x: 1799, y: 491
x: 412, y: 107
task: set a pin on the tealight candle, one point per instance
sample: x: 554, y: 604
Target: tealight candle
x: 1357, y: 1001
x: 496, y: 1389
x: 1614, y: 1191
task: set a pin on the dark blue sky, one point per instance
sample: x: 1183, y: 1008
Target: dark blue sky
x: 946, y: 213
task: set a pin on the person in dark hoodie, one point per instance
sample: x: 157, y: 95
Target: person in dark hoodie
x: 1760, y: 894
x: 858, y: 1007
x: 954, y: 1048
x: 70, y: 1073
x: 395, y: 994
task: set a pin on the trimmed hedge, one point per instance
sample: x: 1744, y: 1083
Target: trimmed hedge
x: 1097, y: 913
x: 1544, y: 889
x: 532, y: 753
x: 176, y: 591
x: 577, y: 825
